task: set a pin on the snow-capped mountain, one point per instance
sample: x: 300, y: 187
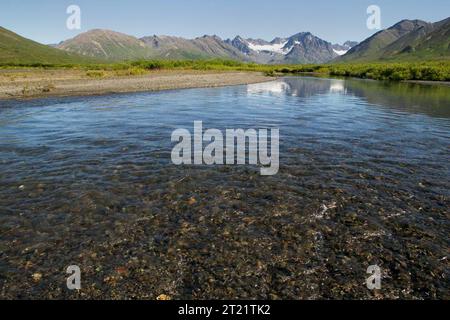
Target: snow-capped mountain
x: 341, y: 49
x: 302, y: 47
x: 275, y: 46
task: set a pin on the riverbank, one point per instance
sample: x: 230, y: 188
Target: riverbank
x: 430, y: 83
x: 38, y: 83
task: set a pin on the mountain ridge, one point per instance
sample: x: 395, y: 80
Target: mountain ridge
x: 302, y: 47
x: 407, y: 39
x: 108, y: 45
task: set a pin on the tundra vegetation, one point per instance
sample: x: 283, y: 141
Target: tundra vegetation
x: 389, y: 71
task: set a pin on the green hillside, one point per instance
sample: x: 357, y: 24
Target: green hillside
x: 435, y: 44
x: 107, y: 45
x: 15, y: 49
x: 408, y: 40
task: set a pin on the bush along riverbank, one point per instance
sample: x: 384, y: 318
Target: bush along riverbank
x: 392, y: 71
x: 426, y: 71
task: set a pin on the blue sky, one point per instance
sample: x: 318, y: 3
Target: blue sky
x: 334, y: 21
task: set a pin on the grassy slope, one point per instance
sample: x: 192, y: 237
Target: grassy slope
x: 369, y: 49
x: 15, y: 49
x: 436, y: 44
x: 427, y: 42
x: 107, y: 45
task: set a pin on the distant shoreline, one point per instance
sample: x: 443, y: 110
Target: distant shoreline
x: 442, y: 83
x: 32, y: 84
x: 26, y: 84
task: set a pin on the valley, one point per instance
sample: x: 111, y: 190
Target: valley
x: 209, y: 150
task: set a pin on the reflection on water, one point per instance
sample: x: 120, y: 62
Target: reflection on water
x: 274, y: 87
x: 364, y: 179
x: 337, y: 86
x: 430, y: 100
x: 409, y: 97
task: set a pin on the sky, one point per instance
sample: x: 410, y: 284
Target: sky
x: 332, y: 20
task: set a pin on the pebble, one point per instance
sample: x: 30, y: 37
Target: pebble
x: 37, y: 277
x: 192, y: 201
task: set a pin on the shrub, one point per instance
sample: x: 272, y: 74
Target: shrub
x: 95, y: 73
x: 133, y: 71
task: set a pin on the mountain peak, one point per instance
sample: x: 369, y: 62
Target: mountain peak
x: 102, y: 31
x: 344, y: 48
x: 278, y: 40
x: 107, y: 44
x: 350, y: 43
x: 207, y: 36
x: 405, y: 26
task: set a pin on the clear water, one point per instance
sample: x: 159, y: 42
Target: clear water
x: 364, y: 179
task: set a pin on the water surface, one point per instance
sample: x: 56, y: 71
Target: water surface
x: 363, y: 180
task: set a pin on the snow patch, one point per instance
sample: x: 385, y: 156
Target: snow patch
x: 340, y: 52
x: 276, y: 47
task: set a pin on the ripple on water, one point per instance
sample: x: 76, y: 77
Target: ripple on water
x: 364, y: 179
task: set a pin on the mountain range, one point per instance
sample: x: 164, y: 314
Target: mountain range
x: 406, y: 40
x: 303, y: 47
